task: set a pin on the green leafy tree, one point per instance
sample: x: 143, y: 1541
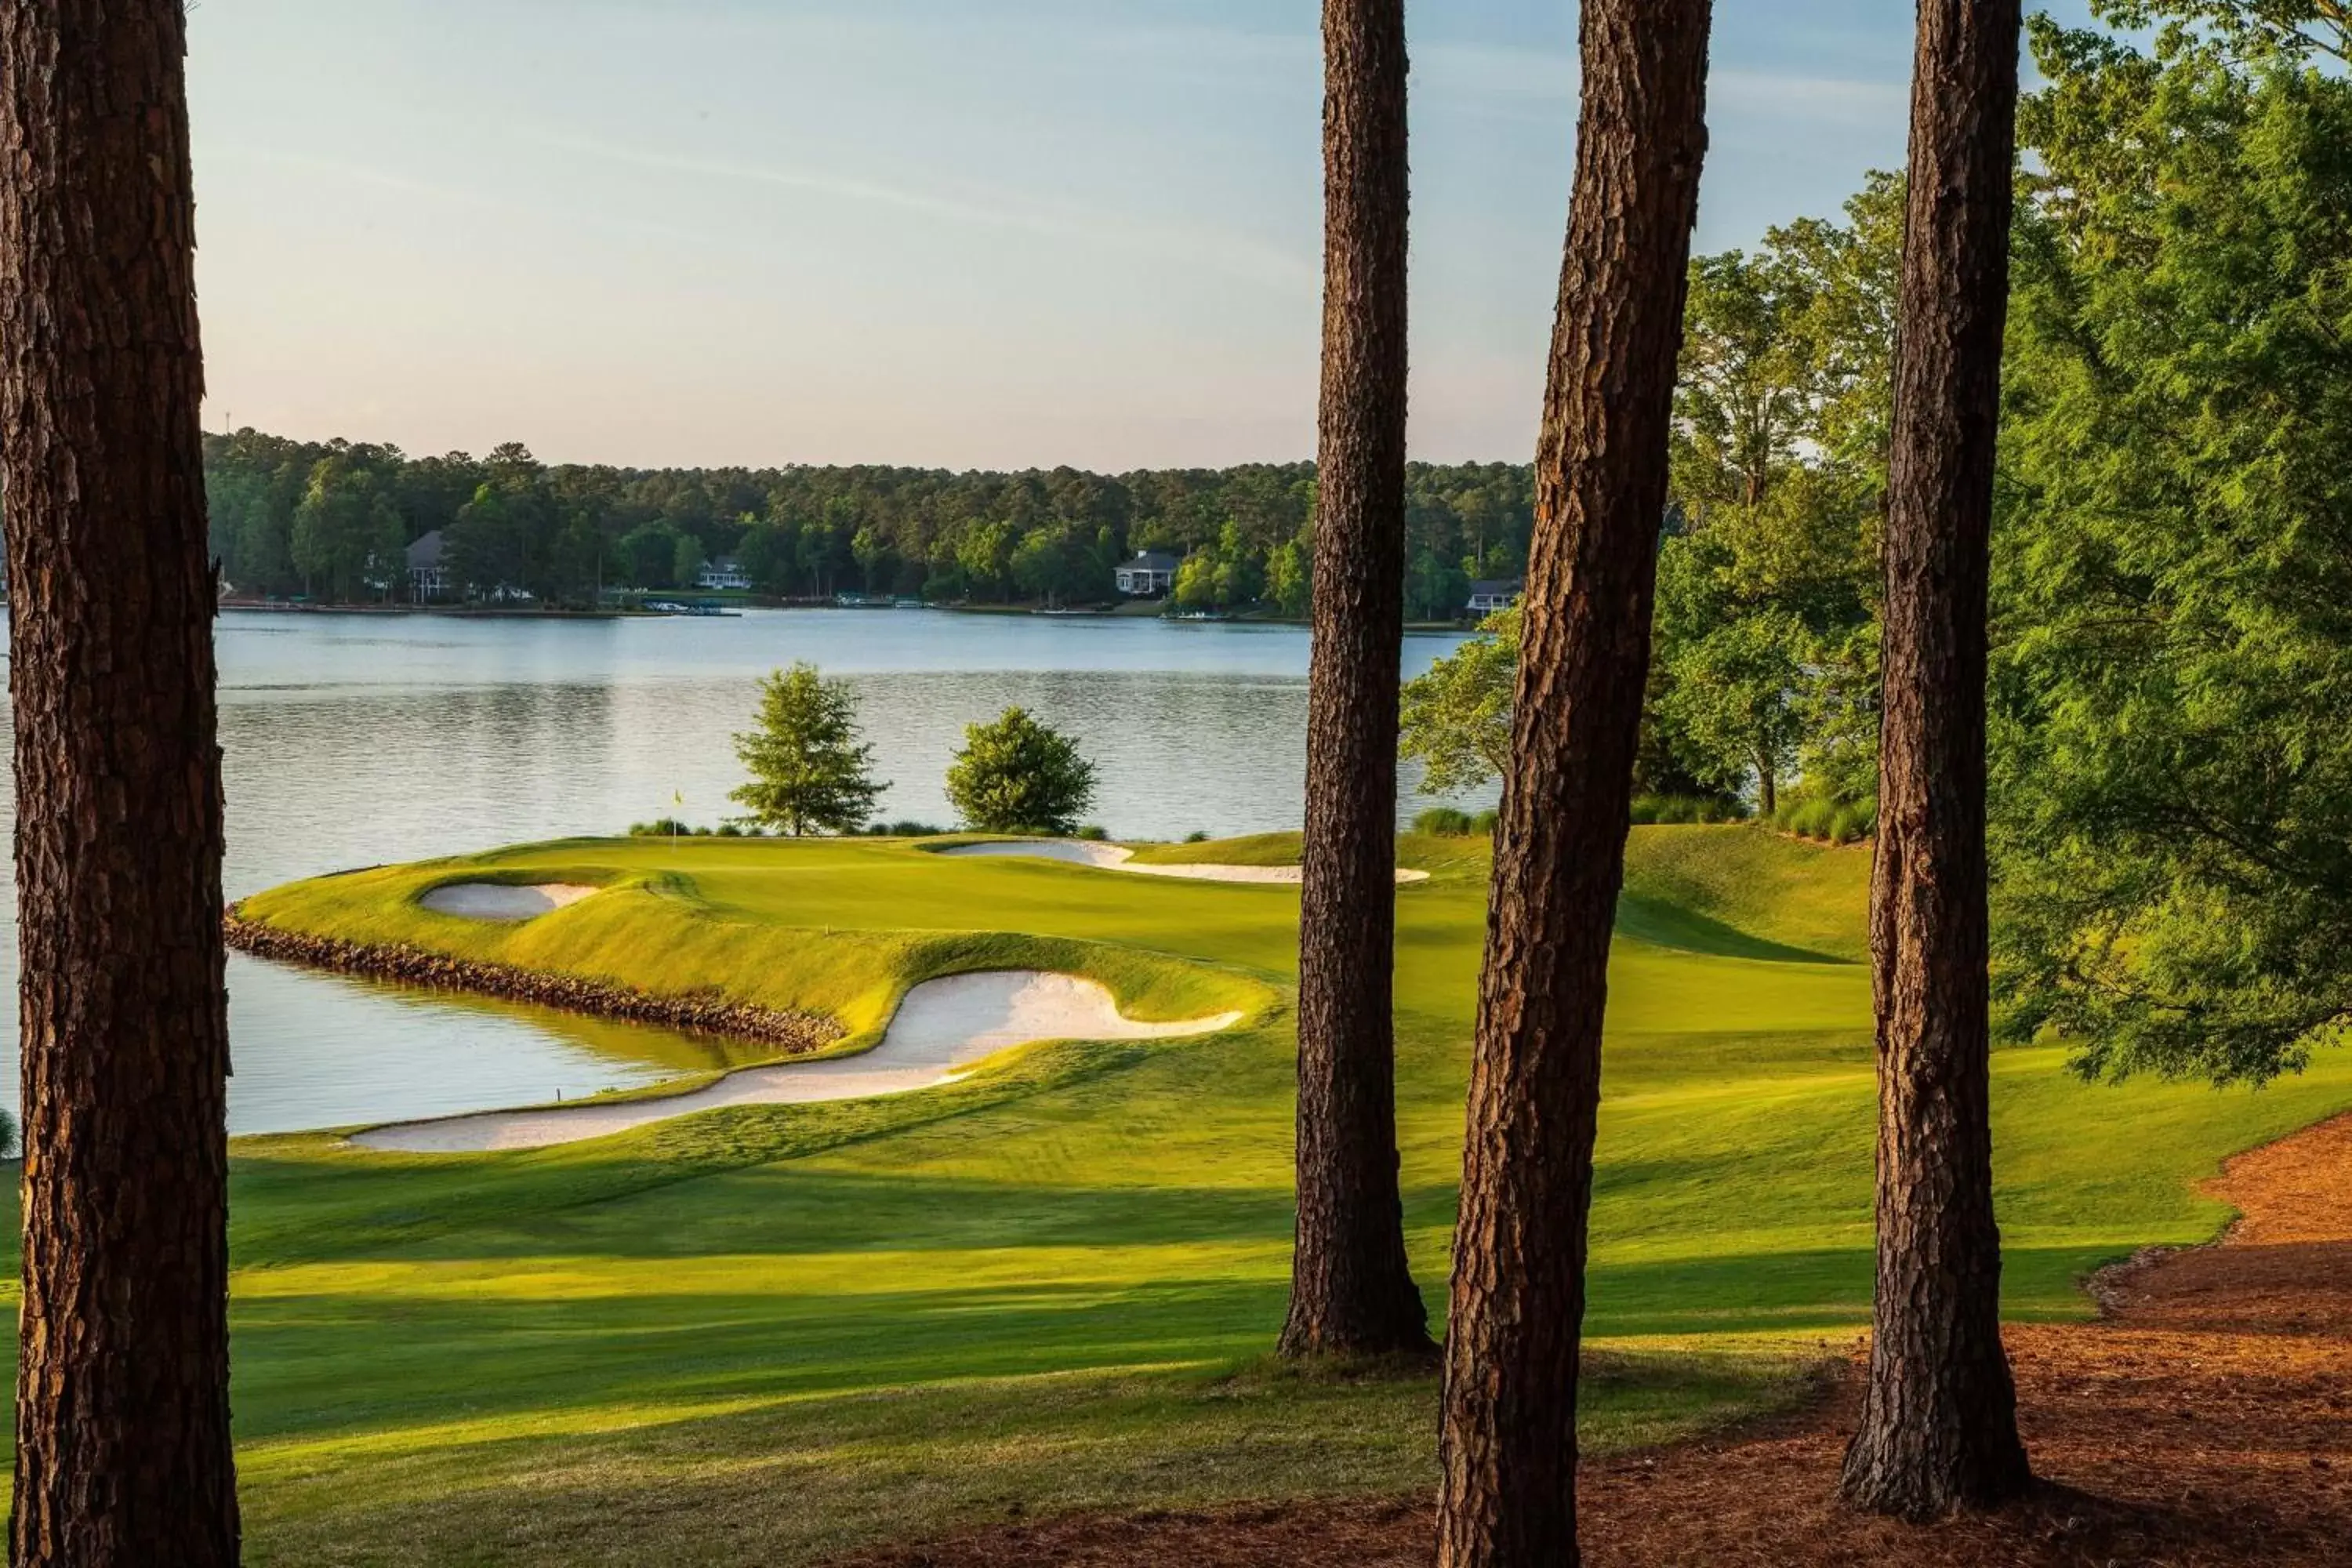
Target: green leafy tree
x: 648, y: 557
x: 986, y: 557
x: 1016, y: 775
x: 1456, y: 721
x: 811, y: 772
x: 766, y: 555
x: 686, y: 561
x: 2172, y: 767
x: 1436, y: 589
x: 1457, y: 717
x: 1737, y: 666
x: 870, y: 547
x: 1291, y: 577
x: 2261, y: 30
x: 1197, y: 584
x: 1748, y: 377
x: 347, y: 538
x: 1767, y: 588
x: 1056, y: 566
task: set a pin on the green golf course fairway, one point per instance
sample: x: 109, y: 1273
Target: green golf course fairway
x: 766, y: 1334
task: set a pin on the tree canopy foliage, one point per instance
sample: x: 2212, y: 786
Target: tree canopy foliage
x: 1457, y: 717
x: 2172, y: 603
x: 1017, y: 775
x: 2173, y: 784
x: 1767, y: 588
x: 1766, y: 661
x: 333, y: 521
x: 810, y: 771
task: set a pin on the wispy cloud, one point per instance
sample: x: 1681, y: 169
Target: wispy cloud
x: 1240, y: 256
x: 1834, y: 99
x: 493, y: 202
x: 1489, y: 80
x: 1470, y: 71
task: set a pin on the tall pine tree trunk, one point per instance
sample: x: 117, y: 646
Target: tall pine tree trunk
x: 1939, y: 1420
x: 122, y: 1422
x: 1352, y: 1293
x: 1508, y: 1442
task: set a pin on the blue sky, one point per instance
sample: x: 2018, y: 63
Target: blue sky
x: 963, y: 233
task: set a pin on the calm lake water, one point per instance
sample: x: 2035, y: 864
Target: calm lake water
x: 358, y: 740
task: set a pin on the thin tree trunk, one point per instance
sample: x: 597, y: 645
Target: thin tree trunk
x: 1939, y: 1419
x: 1768, y: 783
x: 1351, y: 1292
x: 122, y: 1422
x: 1508, y: 1440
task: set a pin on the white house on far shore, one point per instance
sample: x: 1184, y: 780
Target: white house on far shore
x: 428, y: 578
x: 724, y: 574
x: 1151, y: 572
x: 1490, y: 598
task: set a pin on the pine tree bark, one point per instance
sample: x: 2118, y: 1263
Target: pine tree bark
x: 1508, y: 1439
x: 1939, y: 1427
x: 122, y: 1421
x: 1351, y: 1291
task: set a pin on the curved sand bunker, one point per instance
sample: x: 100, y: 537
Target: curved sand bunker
x: 505, y: 900
x: 942, y: 1026
x: 1111, y: 857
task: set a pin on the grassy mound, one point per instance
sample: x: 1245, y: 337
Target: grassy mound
x: 766, y: 1333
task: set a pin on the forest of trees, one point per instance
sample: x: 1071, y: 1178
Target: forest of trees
x: 323, y: 520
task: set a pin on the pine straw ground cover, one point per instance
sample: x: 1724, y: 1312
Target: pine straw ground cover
x: 2205, y: 1420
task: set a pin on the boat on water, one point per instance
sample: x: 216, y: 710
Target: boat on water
x: 680, y: 607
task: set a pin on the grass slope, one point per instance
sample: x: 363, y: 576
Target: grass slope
x: 760, y: 1335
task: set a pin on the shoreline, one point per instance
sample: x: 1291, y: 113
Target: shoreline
x: 447, y: 612
x: 734, y: 606
x: 795, y: 1034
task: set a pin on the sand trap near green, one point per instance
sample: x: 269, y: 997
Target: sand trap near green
x: 505, y: 900
x: 1114, y: 858
x: 942, y: 1027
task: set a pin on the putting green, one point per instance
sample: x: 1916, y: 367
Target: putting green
x: 764, y: 1334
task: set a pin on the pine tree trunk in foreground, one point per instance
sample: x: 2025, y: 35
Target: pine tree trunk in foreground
x: 1939, y: 1419
x: 1351, y: 1292
x: 1508, y: 1442
x: 122, y: 1422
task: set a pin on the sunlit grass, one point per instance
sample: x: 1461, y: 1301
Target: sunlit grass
x: 763, y: 1334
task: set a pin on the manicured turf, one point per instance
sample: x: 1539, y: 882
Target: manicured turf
x: 762, y: 1334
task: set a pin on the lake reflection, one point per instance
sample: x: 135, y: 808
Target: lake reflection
x: 352, y: 741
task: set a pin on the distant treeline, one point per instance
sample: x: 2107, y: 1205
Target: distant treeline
x: 332, y: 520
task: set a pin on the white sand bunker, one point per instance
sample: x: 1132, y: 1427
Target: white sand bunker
x: 942, y: 1027
x: 504, y: 901
x: 1111, y: 857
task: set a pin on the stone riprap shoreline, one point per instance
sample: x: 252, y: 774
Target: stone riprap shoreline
x: 705, y: 1013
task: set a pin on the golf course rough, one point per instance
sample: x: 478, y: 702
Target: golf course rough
x: 770, y: 1332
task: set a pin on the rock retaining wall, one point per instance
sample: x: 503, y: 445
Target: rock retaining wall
x: 706, y: 1013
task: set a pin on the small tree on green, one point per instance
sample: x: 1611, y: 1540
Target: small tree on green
x: 1017, y: 775
x: 1457, y: 720
x: 810, y: 772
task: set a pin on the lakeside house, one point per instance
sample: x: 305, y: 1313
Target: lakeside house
x: 723, y: 575
x: 1151, y: 573
x: 1495, y: 595
x: 428, y: 575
